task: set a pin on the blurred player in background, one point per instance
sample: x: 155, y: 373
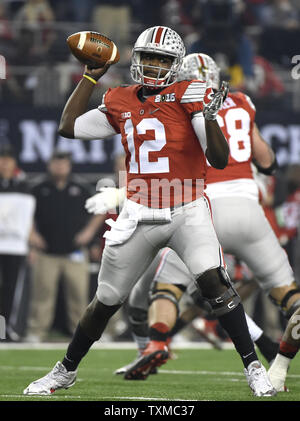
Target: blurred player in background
x: 288, y: 216
x: 62, y: 231
x: 17, y: 207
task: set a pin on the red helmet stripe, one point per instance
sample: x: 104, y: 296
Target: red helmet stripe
x: 201, y: 60
x: 158, y: 35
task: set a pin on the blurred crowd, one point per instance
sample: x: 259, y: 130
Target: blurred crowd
x: 238, y: 34
x: 47, y: 239
x: 253, y: 42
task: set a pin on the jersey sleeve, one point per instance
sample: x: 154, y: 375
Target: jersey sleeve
x: 248, y: 99
x: 105, y: 108
x: 93, y: 125
x: 195, y: 96
x: 247, y: 103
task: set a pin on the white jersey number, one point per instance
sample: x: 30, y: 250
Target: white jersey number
x: 239, y: 136
x: 161, y: 165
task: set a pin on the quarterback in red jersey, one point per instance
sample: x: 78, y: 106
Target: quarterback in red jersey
x: 168, y: 130
x: 152, y: 136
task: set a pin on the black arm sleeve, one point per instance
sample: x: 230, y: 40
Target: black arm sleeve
x: 269, y: 170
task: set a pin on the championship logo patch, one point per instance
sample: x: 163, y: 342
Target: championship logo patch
x: 165, y: 98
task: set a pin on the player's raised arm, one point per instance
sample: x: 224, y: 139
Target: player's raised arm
x: 263, y: 155
x: 217, y: 151
x: 208, y: 131
x: 78, y: 102
x: 85, y: 47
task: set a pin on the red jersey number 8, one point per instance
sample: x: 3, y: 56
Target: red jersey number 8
x: 237, y: 124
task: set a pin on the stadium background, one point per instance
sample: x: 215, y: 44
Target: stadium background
x: 258, y: 54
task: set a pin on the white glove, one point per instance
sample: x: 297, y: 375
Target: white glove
x: 109, y: 198
x: 211, y: 110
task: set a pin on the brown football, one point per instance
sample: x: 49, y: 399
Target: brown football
x: 93, y: 49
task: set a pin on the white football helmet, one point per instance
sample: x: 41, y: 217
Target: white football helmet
x: 200, y: 67
x: 159, y: 40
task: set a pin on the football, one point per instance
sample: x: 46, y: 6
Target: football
x: 93, y: 49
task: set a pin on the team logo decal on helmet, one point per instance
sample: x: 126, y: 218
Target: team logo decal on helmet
x: 200, y: 67
x: 157, y: 40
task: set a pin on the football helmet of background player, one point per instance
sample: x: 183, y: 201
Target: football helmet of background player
x: 200, y: 67
x: 157, y: 40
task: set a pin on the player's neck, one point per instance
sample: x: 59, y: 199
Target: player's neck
x: 150, y: 91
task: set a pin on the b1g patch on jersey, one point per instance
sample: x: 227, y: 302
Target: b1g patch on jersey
x: 126, y: 115
x: 165, y: 98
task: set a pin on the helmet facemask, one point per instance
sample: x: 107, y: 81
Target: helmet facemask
x: 165, y: 75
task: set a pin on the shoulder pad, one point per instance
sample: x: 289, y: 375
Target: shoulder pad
x: 195, y: 92
x: 244, y: 97
x: 102, y: 108
x: 250, y: 102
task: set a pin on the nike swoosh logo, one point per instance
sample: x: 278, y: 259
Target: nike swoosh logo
x: 154, y: 111
x: 245, y: 356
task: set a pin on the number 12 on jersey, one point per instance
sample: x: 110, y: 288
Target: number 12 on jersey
x: 140, y: 159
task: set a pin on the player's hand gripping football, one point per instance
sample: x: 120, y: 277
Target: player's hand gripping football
x: 98, y: 72
x: 212, y: 108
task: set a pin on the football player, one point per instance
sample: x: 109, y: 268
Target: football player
x: 168, y: 131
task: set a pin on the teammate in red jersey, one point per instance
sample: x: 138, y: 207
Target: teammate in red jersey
x: 256, y: 242
x: 168, y: 130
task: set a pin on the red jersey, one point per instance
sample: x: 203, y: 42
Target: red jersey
x: 162, y: 149
x: 236, y: 119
